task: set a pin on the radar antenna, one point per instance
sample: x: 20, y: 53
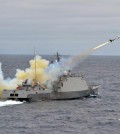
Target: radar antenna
x: 35, y: 61
x: 58, y: 57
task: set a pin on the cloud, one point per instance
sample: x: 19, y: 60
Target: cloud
x: 57, y: 22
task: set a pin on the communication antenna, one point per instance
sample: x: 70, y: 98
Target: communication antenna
x: 35, y: 61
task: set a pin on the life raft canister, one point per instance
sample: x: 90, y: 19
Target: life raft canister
x: 19, y: 87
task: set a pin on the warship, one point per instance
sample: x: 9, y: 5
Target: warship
x: 67, y: 86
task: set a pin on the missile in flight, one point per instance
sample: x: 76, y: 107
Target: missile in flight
x: 111, y: 40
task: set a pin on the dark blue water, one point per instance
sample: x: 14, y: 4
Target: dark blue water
x: 84, y: 116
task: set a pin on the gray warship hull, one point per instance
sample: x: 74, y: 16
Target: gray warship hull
x: 63, y: 95
x: 70, y: 88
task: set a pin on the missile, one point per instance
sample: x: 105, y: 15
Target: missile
x: 111, y: 40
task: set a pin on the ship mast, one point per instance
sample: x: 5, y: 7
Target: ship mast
x: 35, y: 62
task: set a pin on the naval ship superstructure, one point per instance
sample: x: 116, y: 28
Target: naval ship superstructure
x: 67, y: 86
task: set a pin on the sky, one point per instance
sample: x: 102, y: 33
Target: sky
x: 67, y: 26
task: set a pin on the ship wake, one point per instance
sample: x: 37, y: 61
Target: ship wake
x: 9, y: 102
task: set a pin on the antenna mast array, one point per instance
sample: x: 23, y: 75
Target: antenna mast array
x: 35, y: 62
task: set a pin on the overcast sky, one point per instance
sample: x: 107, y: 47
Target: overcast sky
x: 67, y: 26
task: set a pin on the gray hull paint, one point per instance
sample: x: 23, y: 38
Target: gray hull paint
x: 62, y: 95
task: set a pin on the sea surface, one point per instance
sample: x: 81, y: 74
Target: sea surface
x: 100, y: 115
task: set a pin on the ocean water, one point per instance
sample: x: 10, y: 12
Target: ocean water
x: 99, y: 115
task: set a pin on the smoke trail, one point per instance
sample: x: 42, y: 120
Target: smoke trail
x: 73, y: 61
x: 58, y: 68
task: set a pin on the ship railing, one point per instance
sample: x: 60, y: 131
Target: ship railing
x: 76, y: 75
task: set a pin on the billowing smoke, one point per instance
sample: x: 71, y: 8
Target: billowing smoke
x: 55, y: 70
x: 37, y: 66
x: 6, y: 83
x: 35, y: 71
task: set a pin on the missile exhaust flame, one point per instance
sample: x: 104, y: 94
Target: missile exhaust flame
x: 101, y: 45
